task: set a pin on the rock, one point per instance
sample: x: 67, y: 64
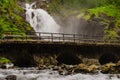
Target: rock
x: 118, y: 63
x: 41, y: 67
x: 92, y: 68
x: 108, y: 68
x: 6, y: 65
x: 56, y: 68
x: 69, y: 59
x: 3, y: 66
x: 82, y: 68
x: 113, y: 68
x: 61, y: 71
x: 11, y: 77
x: 90, y: 61
x: 107, y: 58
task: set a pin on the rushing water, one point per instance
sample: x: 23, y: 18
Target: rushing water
x: 40, y: 20
x: 35, y: 74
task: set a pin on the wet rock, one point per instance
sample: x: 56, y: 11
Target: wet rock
x: 92, y: 68
x: 56, y: 68
x: 11, y: 77
x: 82, y: 68
x: 69, y: 59
x: 61, y: 71
x: 3, y: 66
x: 113, y: 68
x: 107, y: 58
x: 90, y: 61
x: 6, y: 65
x: 41, y: 67
x: 109, y: 68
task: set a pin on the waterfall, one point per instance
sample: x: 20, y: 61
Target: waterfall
x: 40, y: 20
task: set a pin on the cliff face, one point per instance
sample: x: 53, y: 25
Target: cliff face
x: 12, y: 17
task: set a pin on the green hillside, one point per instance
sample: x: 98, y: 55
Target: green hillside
x: 11, y: 17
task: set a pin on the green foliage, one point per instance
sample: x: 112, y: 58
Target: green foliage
x: 4, y: 60
x: 11, y: 17
x: 109, y: 10
x: 110, y: 34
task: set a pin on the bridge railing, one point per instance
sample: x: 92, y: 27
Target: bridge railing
x: 57, y: 37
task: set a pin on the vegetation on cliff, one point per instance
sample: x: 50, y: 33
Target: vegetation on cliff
x: 11, y: 17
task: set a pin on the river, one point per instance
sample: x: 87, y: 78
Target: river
x: 35, y: 74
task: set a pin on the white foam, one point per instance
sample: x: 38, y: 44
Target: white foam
x: 40, y: 20
x: 53, y: 75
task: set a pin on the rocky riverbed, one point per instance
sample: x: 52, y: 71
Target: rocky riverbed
x: 93, y: 68
x: 109, y: 68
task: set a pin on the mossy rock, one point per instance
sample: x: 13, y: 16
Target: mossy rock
x: 4, y: 60
x: 111, y: 68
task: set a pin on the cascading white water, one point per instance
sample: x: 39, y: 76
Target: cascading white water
x: 40, y: 20
x: 32, y: 74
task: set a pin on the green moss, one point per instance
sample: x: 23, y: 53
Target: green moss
x: 110, y: 35
x: 87, y: 17
x: 4, y: 60
x: 11, y: 18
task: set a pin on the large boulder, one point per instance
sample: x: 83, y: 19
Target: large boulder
x: 107, y: 58
x: 69, y: 59
x: 11, y: 77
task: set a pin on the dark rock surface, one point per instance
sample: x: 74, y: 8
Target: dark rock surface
x: 11, y: 77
